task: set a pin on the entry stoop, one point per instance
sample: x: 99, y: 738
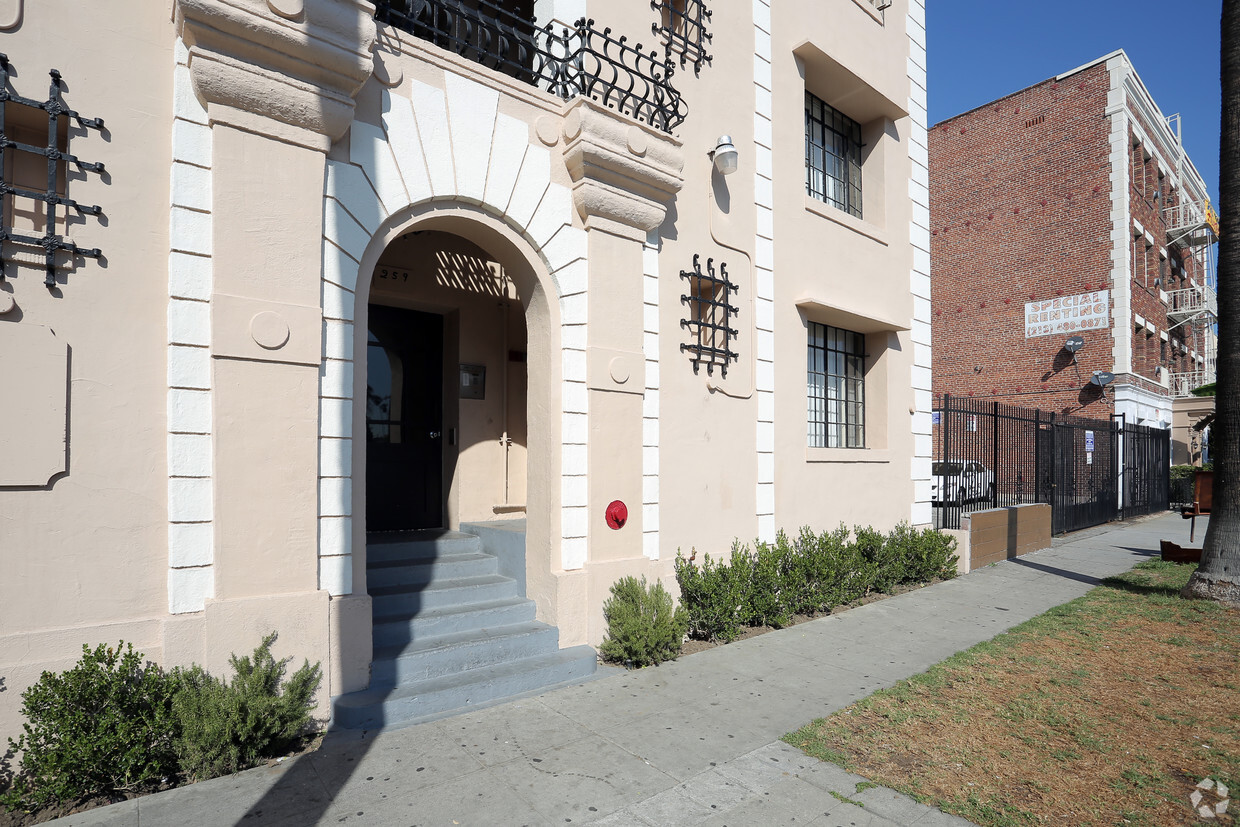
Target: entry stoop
x: 450, y: 632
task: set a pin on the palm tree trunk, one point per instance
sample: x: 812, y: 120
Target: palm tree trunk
x: 1218, y: 577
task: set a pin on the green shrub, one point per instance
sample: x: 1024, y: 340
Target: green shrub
x: 227, y: 727
x: 809, y: 575
x: 775, y: 584
x: 715, y: 594
x: 881, y: 566
x: 99, y: 728
x: 642, y: 627
x: 933, y: 556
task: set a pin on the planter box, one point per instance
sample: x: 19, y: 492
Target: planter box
x: 1178, y: 554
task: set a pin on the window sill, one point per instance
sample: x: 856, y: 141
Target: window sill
x: 847, y: 455
x: 842, y: 218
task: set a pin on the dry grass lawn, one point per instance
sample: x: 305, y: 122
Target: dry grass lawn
x: 1106, y: 710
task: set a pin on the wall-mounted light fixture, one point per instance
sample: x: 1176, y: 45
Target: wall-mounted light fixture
x: 883, y: 5
x: 726, y: 159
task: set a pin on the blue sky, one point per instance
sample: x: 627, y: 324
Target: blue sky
x: 979, y: 51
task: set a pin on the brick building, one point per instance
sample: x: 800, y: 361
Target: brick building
x: 1071, y: 209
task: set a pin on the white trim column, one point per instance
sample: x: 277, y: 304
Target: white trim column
x: 191, y: 536
x: 919, y: 278
x: 764, y: 270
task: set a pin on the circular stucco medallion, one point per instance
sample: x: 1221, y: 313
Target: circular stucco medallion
x: 6, y: 303
x: 637, y: 141
x: 387, y: 71
x: 572, y: 125
x: 547, y: 131
x: 288, y: 9
x: 269, y: 330
x: 619, y: 369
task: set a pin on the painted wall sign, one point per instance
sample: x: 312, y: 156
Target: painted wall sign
x: 1068, y: 314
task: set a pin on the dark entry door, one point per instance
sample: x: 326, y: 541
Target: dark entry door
x: 404, y: 420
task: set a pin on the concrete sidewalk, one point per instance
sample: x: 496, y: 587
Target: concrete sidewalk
x: 689, y: 742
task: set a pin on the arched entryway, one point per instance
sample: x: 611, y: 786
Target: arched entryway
x: 458, y: 364
x: 446, y: 377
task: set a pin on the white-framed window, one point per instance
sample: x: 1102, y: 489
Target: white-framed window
x: 832, y: 156
x: 835, y: 387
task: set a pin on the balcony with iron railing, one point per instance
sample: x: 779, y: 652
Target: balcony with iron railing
x: 574, y: 62
x: 1192, y: 302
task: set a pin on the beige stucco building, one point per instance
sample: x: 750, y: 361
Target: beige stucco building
x: 440, y: 268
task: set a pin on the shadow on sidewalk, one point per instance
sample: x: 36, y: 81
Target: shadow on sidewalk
x: 1070, y: 575
x: 309, y: 788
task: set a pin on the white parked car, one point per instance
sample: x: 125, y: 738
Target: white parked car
x: 957, y: 482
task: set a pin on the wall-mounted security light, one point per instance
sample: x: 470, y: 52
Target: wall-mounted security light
x: 725, y: 155
x: 883, y: 5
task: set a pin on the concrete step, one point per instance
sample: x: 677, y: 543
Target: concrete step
x: 451, y: 619
x: 393, y: 706
x: 451, y: 566
x: 414, y: 545
x: 422, y: 660
x: 407, y: 600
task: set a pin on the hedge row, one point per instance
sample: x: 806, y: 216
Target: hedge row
x: 808, y: 575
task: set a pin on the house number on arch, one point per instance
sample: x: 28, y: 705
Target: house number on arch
x: 387, y: 273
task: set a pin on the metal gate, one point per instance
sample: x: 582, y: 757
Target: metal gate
x: 1084, y: 473
x: 1090, y: 471
x: 1147, y: 470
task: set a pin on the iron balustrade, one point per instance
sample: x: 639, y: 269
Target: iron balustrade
x: 574, y: 62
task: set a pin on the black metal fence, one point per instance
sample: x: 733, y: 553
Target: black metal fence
x: 581, y: 61
x: 1090, y: 471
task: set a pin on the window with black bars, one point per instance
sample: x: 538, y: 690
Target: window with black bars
x: 682, y: 25
x: 832, y: 156
x: 836, y: 387
x: 710, y: 317
x: 34, y: 179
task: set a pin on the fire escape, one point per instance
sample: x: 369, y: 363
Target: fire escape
x: 1192, y: 228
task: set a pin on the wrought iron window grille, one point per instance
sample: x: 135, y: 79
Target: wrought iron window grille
x: 710, y: 316
x: 682, y: 25
x: 58, y: 159
x: 581, y: 61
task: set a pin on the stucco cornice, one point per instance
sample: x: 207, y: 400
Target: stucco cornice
x: 295, y: 61
x: 623, y: 173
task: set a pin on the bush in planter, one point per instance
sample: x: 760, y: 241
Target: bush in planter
x: 225, y: 727
x: 930, y: 554
x: 715, y: 594
x: 99, y: 728
x: 775, y: 584
x: 643, y: 629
